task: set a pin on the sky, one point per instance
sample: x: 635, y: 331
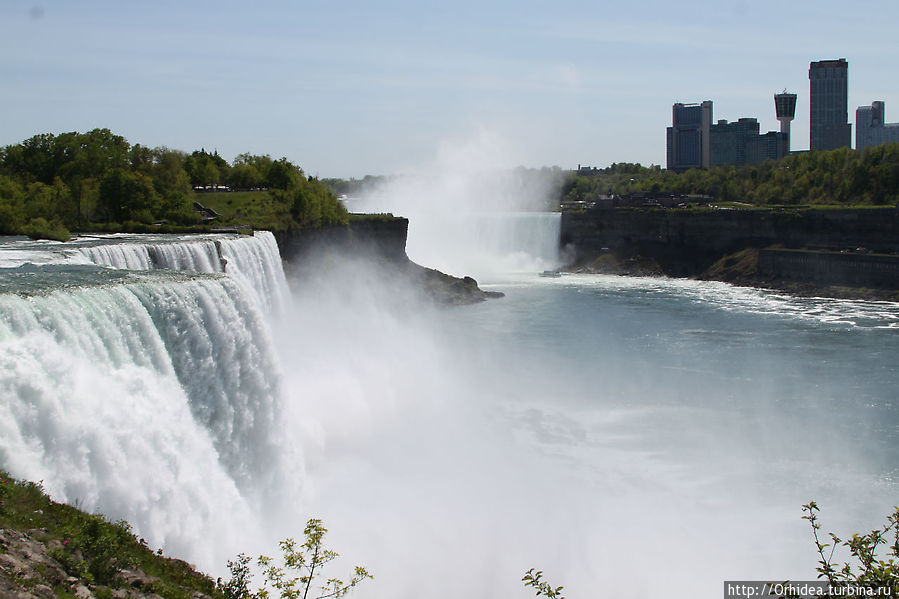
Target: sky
x: 346, y: 89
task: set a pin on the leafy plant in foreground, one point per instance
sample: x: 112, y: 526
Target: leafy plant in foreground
x: 871, y: 570
x: 302, y: 565
x: 535, y: 580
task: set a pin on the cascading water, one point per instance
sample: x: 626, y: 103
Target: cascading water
x: 471, y: 216
x: 646, y: 436
x: 151, y: 396
x: 253, y: 260
x: 485, y: 244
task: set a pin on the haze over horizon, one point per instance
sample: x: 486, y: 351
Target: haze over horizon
x: 349, y: 89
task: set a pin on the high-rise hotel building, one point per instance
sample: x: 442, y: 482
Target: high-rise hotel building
x: 689, y: 136
x: 829, y: 105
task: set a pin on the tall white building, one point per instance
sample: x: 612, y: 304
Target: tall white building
x: 871, y: 128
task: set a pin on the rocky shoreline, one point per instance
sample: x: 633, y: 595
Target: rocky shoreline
x: 848, y: 253
x: 739, y: 268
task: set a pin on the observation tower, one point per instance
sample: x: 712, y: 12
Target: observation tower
x: 785, y: 105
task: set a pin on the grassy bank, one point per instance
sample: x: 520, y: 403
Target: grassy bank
x: 49, y: 549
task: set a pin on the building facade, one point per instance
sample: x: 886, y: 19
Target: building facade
x: 729, y: 140
x: 829, y: 126
x: 741, y: 143
x: 689, y: 136
x: 871, y: 128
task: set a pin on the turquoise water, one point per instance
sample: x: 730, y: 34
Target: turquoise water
x: 630, y: 437
x: 643, y: 435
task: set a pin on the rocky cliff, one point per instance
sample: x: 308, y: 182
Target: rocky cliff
x: 379, y: 241
x: 697, y: 243
x: 722, y: 231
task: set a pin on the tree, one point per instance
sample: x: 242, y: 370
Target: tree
x: 302, y: 566
x: 283, y: 174
x: 12, y: 200
x: 127, y: 196
x: 872, y: 570
x: 244, y: 176
x: 169, y: 176
x: 205, y: 169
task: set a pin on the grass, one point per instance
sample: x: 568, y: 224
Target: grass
x: 742, y: 265
x: 255, y: 209
x: 91, y: 548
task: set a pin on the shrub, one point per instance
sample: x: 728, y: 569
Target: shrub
x: 302, y: 566
x: 39, y: 228
x: 870, y: 570
x: 535, y: 580
x: 96, y: 550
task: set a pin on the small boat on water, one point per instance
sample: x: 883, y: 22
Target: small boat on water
x: 550, y: 273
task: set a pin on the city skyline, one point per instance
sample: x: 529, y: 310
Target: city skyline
x: 351, y: 89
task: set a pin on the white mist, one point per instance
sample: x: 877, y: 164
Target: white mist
x: 472, y: 212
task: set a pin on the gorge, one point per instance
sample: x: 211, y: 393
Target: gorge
x: 590, y: 425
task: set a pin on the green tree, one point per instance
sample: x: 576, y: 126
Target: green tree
x: 244, y: 176
x: 127, y: 196
x: 870, y: 569
x: 206, y: 169
x: 12, y: 201
x: 302, y: 567
x: 283, y: 174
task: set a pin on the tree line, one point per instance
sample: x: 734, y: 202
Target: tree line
x: 836, y: 177
x: 53, y: 184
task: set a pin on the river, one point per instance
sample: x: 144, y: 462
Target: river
x: 629, y: 436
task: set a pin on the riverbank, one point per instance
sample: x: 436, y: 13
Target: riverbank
x: 846, y: 253
x: 740, y: 268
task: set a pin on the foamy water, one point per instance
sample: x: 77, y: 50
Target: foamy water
x: 590, y: 426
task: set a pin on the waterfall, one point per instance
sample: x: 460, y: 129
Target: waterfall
x: 485, y: 243
x: 252, y: 260
x: 151, y: 396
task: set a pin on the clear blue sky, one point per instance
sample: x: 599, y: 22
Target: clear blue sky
x: 352, y: 88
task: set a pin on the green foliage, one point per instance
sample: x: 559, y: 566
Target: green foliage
x: 302, y: 566
x: 99, y: 548
x: 542, y: 587
x: 282, y: 174
x: 314, y: 205
x: 836, y: 177
x: 869, y: 569
x: 238, y: 587
x: 4, y: 494
x: 53, y: 184
x: 128, y: 196
x: 12, y: 206
x: 39, y: 228
x: 91, y: 548
x: 205, y: 169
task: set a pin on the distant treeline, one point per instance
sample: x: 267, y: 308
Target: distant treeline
x: 843, y: 176
x: 53, y: 184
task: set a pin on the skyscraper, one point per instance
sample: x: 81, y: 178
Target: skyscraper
x: 689, y: 136
x: 829, y: 105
